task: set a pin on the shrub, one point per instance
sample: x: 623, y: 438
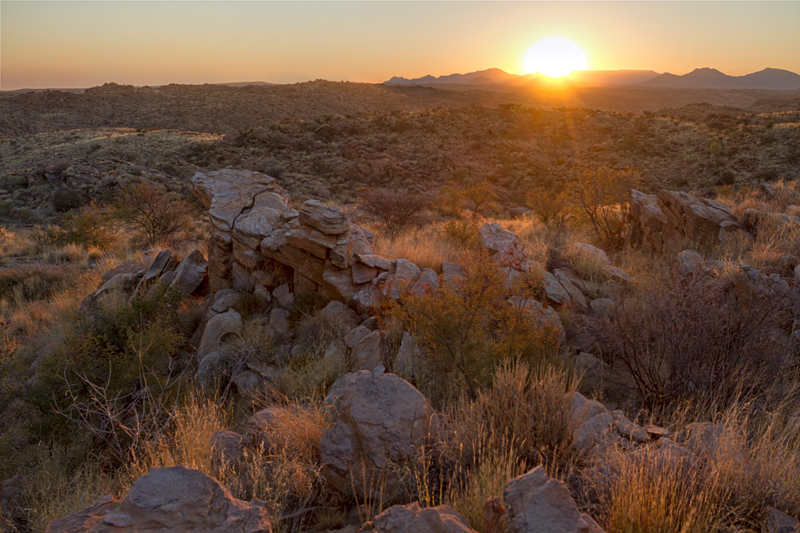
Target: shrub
x: 151, y: 210
x: 89, y: 227
x: 64, y: 200
x: 112, y: 373
x: 600, y: 196
x: 394, y: 210
x: 466, y: 332
x: 694, y: 342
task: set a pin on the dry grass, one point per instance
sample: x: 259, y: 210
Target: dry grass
x: 756, y: 464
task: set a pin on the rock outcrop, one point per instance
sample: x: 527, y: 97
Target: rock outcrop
x: 170, y: 499
x: 665, y: 219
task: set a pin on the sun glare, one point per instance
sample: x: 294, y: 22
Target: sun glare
x: 555, y: 57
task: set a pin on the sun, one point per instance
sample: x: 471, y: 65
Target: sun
x: 555, y: 57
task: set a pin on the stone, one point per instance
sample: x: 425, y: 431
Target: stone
x: 619, y: 275
x: 780, y: 522
x: 535, y: 503
x: 367, y: 354
x: 656, y: 432
x: 413, y: 519
x: 402, y: 276
x: 311, y: 240
x: 212, y: 368
x: 494, y: 516
x: 227, y: 449
x: 181, y: 500
x: 338, y: 284
x: 590, y: 419
x: 702, y: 438
x: 588, y: 251
x: 427, y: 283
x: 226, y: 193
x: 604, y: 307
x: 453, y: 275
x: 575, y: 295
x: 628, y: 429
x: 372, y: 260
x: 224, y: 300
x: 338, y: 313
x: 190, y: 274
x: 381, y: 419
x: 688, y: 262
x: 12, y: 496
x: 407, y: 357
x: 327, y: 219
x: 553, y: 290
x: 86, y: 520
x: 216, y: 329
x: 367, y: 299
x: 649, y: 221
x: 279, y: 323
x: 363, y: 273
x: 496, y: 239
x: 248, y: 383
x: 355, y: 335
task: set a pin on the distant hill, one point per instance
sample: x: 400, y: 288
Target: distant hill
x: 701, y: 78
x: 709, y: 78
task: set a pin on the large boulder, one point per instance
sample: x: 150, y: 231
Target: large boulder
x: 175, y: 499
x: 228, y: 192
x: 402, y: 276
x: 190, y: 274
x: 496, y: 239
x: 413, y: 519
x: 381, y: 419
x: 535, y: 503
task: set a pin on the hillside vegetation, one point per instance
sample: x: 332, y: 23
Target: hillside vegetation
x: 434, y: 309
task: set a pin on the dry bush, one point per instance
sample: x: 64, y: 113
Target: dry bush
x: 694, y: 341
x: 152, y: 211
x: 393, y: 210
x: 601, y: 197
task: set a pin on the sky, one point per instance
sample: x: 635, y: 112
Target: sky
x: 67, y: 44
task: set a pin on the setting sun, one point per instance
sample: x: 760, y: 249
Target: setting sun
x: 555, y: 57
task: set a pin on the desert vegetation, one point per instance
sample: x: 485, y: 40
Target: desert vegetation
x: 539, y: 301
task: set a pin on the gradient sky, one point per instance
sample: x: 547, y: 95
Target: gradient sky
x: 88, y: 43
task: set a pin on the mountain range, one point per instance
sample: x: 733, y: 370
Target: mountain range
x: 700, y: 78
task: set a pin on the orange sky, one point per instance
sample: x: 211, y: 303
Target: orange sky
x: 82, y: 44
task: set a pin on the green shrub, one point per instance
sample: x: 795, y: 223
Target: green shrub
x: 465, y: 333
x: 89, y: 226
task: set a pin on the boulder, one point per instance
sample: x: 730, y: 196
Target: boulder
x: 381, y: 419
x: 174, y: 499
x: 226, y: 193
x: 588, y: 251
x: 554, y: 291
x: 413, y: 519
x: 688, y: 262
x: 702, y: 438
x: 224, y: 300
x: 604, y: 307
x: 279, y: 323
x: 327, y: 219
x: 220, y: 325
x: 190, y: 274
x: 780, y: 522
x: 86, y: 520
x: 628, y: 429
x: 338, y: 313
x: 535, y: 503
x: 575, y: 295
x: 227, y: 448
x: 367, y: 354
x: 427, y: 283
x: 649, y: 221
x: 402, y: 276
x: 407, y: 357
x: 453, y: 275
x: 355, y: 335
x: 338, y: 284
x: 496, y: 239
